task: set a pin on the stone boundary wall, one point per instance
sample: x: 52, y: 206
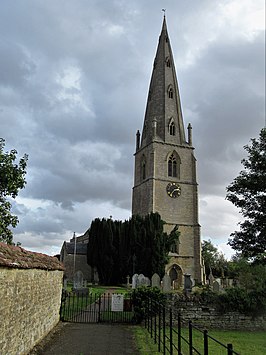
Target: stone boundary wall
x: 206, y: 316
x: 30, y: 294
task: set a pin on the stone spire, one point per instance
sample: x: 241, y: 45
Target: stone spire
x: 163, y: 104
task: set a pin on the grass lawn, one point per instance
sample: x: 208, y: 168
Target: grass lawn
x: 244, y: 343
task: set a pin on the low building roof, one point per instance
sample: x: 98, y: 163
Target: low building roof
x: 17, y: 257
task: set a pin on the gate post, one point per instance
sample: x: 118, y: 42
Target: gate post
x: 99, y: 309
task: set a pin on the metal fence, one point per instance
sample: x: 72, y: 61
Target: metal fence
x: 79, y: 307
x: 172, y: 335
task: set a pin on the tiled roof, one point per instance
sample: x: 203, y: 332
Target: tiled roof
x: 81, y: 248
x: 17, y: 257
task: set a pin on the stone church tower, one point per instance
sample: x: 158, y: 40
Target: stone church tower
x: 165, y: 166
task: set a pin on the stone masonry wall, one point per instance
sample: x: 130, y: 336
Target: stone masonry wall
x: 209, y: 318
x: 30, y: 293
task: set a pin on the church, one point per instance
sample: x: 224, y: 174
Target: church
x: 165, y: 172
x: 165, y: 166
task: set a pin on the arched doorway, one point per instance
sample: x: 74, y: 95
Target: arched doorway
x: 176, y: 275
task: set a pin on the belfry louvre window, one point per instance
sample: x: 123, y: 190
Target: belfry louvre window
x: 172, y: 166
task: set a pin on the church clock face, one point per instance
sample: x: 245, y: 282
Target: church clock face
x: 173, y: 190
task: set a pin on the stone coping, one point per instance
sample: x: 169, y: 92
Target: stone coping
x: 16, y: 257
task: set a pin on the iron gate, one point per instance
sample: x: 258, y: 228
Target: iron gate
x: 80, y: 307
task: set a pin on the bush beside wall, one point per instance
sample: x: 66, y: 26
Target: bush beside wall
x: 30, y: 294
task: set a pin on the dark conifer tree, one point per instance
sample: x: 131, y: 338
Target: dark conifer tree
x: 118, y: 249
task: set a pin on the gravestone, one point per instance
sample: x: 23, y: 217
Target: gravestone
x: 216, y: 286
x: 135, y: 281
x: 187, y: 283
x: 141, y: 280
x: 166, y: 283
x: 78, y: 280
x: 156, y: 281
x: 147, y: 281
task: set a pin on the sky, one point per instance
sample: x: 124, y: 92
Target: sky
x: 74, y: 80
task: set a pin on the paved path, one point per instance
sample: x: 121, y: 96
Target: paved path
x: 89, y: 339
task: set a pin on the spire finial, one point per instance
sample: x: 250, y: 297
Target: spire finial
x: 163, y: 10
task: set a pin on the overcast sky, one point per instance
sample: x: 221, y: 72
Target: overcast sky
x: 74, y: 78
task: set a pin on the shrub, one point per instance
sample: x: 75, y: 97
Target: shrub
x: 140, y: 298
x: 238, y: 299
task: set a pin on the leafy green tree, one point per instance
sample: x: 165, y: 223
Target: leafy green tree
x: 213, y: 259
x: 12, y: 179
x: 248, y: 192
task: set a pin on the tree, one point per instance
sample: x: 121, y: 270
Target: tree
x: 248, y: 192
x: 12, y: 179
x: 213, y: 259
x: 139, y: 245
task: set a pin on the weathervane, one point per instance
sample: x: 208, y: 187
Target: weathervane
x: 163, y: 10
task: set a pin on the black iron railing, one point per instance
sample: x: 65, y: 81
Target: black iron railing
x: 172, y: 335
x: 93, y: 308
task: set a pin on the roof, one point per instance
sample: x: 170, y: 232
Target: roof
x: 81, y: 248
x: 17, y: 257
x: 159, y: 107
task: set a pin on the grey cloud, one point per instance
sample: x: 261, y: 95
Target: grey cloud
x: 80, y: 137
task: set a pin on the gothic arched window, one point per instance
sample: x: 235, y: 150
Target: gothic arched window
x: 172, y: 129
x: 170, y: 93
x: 168, y: 63
x: 174, y: 165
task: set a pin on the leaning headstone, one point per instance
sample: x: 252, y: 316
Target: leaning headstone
x: 187, y: 283
x: 166, y: 283
x: 78, y: 280
x: 135, y: 281
x: 156, y: 281
x: 216, y: 286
